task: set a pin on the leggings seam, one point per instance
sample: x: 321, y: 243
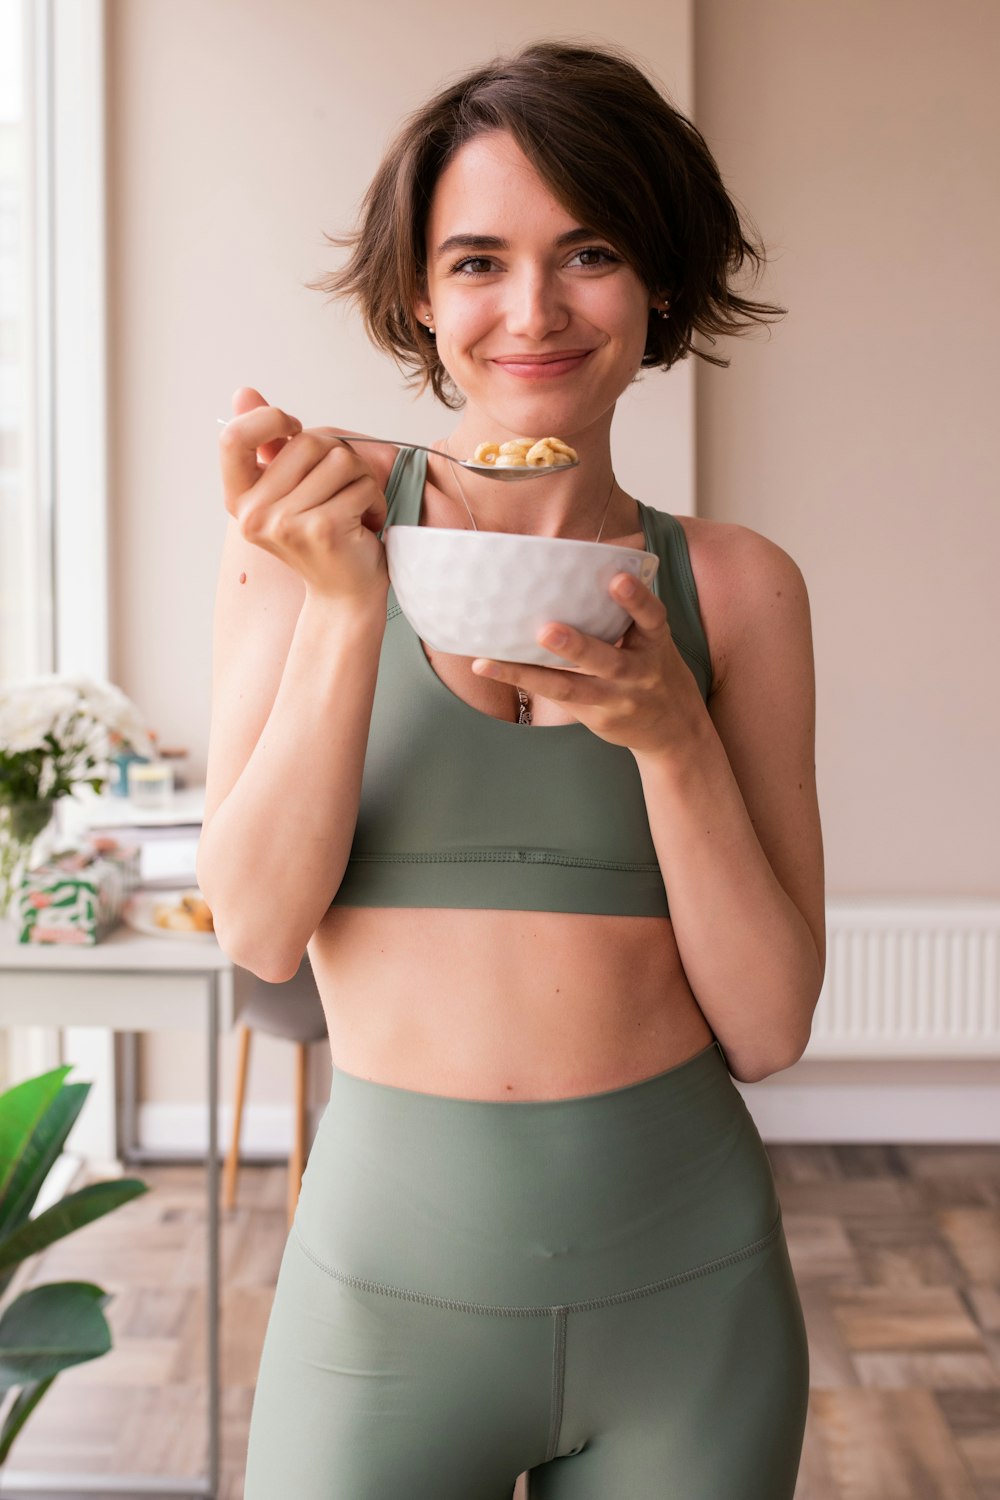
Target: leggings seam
x: 546, y: 1310
x: 558, y: 1380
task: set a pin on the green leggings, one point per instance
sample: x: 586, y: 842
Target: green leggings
x: 594, y: 1289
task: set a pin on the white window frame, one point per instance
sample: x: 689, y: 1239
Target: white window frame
x: 66, y: 113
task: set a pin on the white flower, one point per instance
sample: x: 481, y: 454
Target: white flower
x: 78, y: 714
x: 28, y: 712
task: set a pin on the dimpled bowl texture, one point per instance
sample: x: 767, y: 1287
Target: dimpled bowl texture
x: 488, y: 593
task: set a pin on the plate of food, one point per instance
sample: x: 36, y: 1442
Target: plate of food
x: 171, y: 914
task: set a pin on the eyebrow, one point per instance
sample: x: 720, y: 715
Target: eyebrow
x: 494, y: 242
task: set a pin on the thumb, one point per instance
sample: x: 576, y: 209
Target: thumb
x: 245, y: 398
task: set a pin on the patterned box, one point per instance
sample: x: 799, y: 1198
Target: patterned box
x: 77, y: 895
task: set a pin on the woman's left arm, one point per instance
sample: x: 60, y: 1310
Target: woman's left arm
x: 734, y: 814
x: 730, y: 788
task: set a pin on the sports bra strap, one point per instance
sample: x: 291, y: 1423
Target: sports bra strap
x: 404, y: 489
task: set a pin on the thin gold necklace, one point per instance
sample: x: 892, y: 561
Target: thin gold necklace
x: 524, y: 703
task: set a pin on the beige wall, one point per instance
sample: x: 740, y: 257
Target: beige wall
x: 857, y: 435
x: 239, y: 131
x: 863, y: 436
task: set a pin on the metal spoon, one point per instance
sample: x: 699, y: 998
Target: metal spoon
x: 490, y: 470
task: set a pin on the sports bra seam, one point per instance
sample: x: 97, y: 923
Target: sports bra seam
x: 509, y: 856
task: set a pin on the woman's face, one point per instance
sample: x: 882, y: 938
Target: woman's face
x: 538, y: 321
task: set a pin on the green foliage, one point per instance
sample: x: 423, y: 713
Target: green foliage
x: 50, y: 1327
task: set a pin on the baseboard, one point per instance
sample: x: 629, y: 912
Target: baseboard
x: 841, y: 1115
x: 267, y: 1131
x: 888, y: 1102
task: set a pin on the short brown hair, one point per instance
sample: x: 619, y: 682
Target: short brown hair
x: 610, y: 148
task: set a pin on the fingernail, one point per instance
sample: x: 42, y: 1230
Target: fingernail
x: 626, y: 586
x: 484, y: 668
x: 556, y: 638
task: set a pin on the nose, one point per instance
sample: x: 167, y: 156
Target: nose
x: 535, y: 305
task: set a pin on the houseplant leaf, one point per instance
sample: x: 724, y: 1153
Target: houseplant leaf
x: 39, y: 1154
x: 21, y: 1107
x: 51, y: 1327
x: 71, y: 1212
x: 21, y: 1408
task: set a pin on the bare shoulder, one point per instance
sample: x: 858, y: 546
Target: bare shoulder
x: 737, y: 571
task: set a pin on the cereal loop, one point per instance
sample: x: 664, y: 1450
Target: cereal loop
x: 520, y: 453
x: 550, y: 451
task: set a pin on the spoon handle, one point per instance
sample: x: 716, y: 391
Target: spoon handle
x: 357, y: 437
x: 360, y: 437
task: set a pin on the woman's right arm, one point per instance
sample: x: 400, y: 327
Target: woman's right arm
x: 295, y: 659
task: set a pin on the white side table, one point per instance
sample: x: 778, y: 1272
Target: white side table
x: 130, y: 982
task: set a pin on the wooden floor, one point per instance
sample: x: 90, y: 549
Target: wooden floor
x: 896, y: 1251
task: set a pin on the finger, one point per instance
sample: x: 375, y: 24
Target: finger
x: 648, y: 612
x: 260, y: 426
x: 244, y: 399
x: 548, y: 682
x: 580, y: 650
x: 306, y: 473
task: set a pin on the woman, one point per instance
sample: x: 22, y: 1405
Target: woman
x: 538, y: 1231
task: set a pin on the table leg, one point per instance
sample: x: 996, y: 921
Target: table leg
x: 129, y: 1048
x: 214, y: 1413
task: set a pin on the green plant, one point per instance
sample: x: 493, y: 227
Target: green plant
x: 50, y: 1327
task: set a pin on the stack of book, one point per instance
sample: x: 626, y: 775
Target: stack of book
x: 167, y: 836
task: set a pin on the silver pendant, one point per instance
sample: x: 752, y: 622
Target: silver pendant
x: 524, y: 711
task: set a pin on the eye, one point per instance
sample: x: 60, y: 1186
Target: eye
x: 474, y: 265
x: 598, y: 254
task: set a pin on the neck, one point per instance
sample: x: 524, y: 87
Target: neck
x: 574, y: 504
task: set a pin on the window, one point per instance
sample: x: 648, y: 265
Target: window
x: 25, y: 592
x: 53, y: 556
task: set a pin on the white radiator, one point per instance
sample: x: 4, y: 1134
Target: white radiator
x: 910, y: 979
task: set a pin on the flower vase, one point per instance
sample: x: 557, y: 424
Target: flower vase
x: 24, y: 843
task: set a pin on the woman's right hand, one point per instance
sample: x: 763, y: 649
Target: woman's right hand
x: 311, y: 501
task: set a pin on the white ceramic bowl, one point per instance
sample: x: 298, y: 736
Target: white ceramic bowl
x: 488, y: 593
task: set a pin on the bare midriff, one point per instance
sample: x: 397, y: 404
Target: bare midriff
x: 486, y: 1004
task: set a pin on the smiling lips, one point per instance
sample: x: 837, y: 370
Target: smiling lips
x: 542, y: 366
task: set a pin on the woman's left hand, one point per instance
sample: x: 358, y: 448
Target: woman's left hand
x: 638, y: 693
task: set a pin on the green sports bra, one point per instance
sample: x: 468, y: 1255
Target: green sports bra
x: 459, y: 809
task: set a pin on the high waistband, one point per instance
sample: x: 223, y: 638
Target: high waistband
x: 527, y: 1204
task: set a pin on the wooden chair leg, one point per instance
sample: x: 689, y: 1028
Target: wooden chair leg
x: 233, y: 1158
x: 296, y: 1162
